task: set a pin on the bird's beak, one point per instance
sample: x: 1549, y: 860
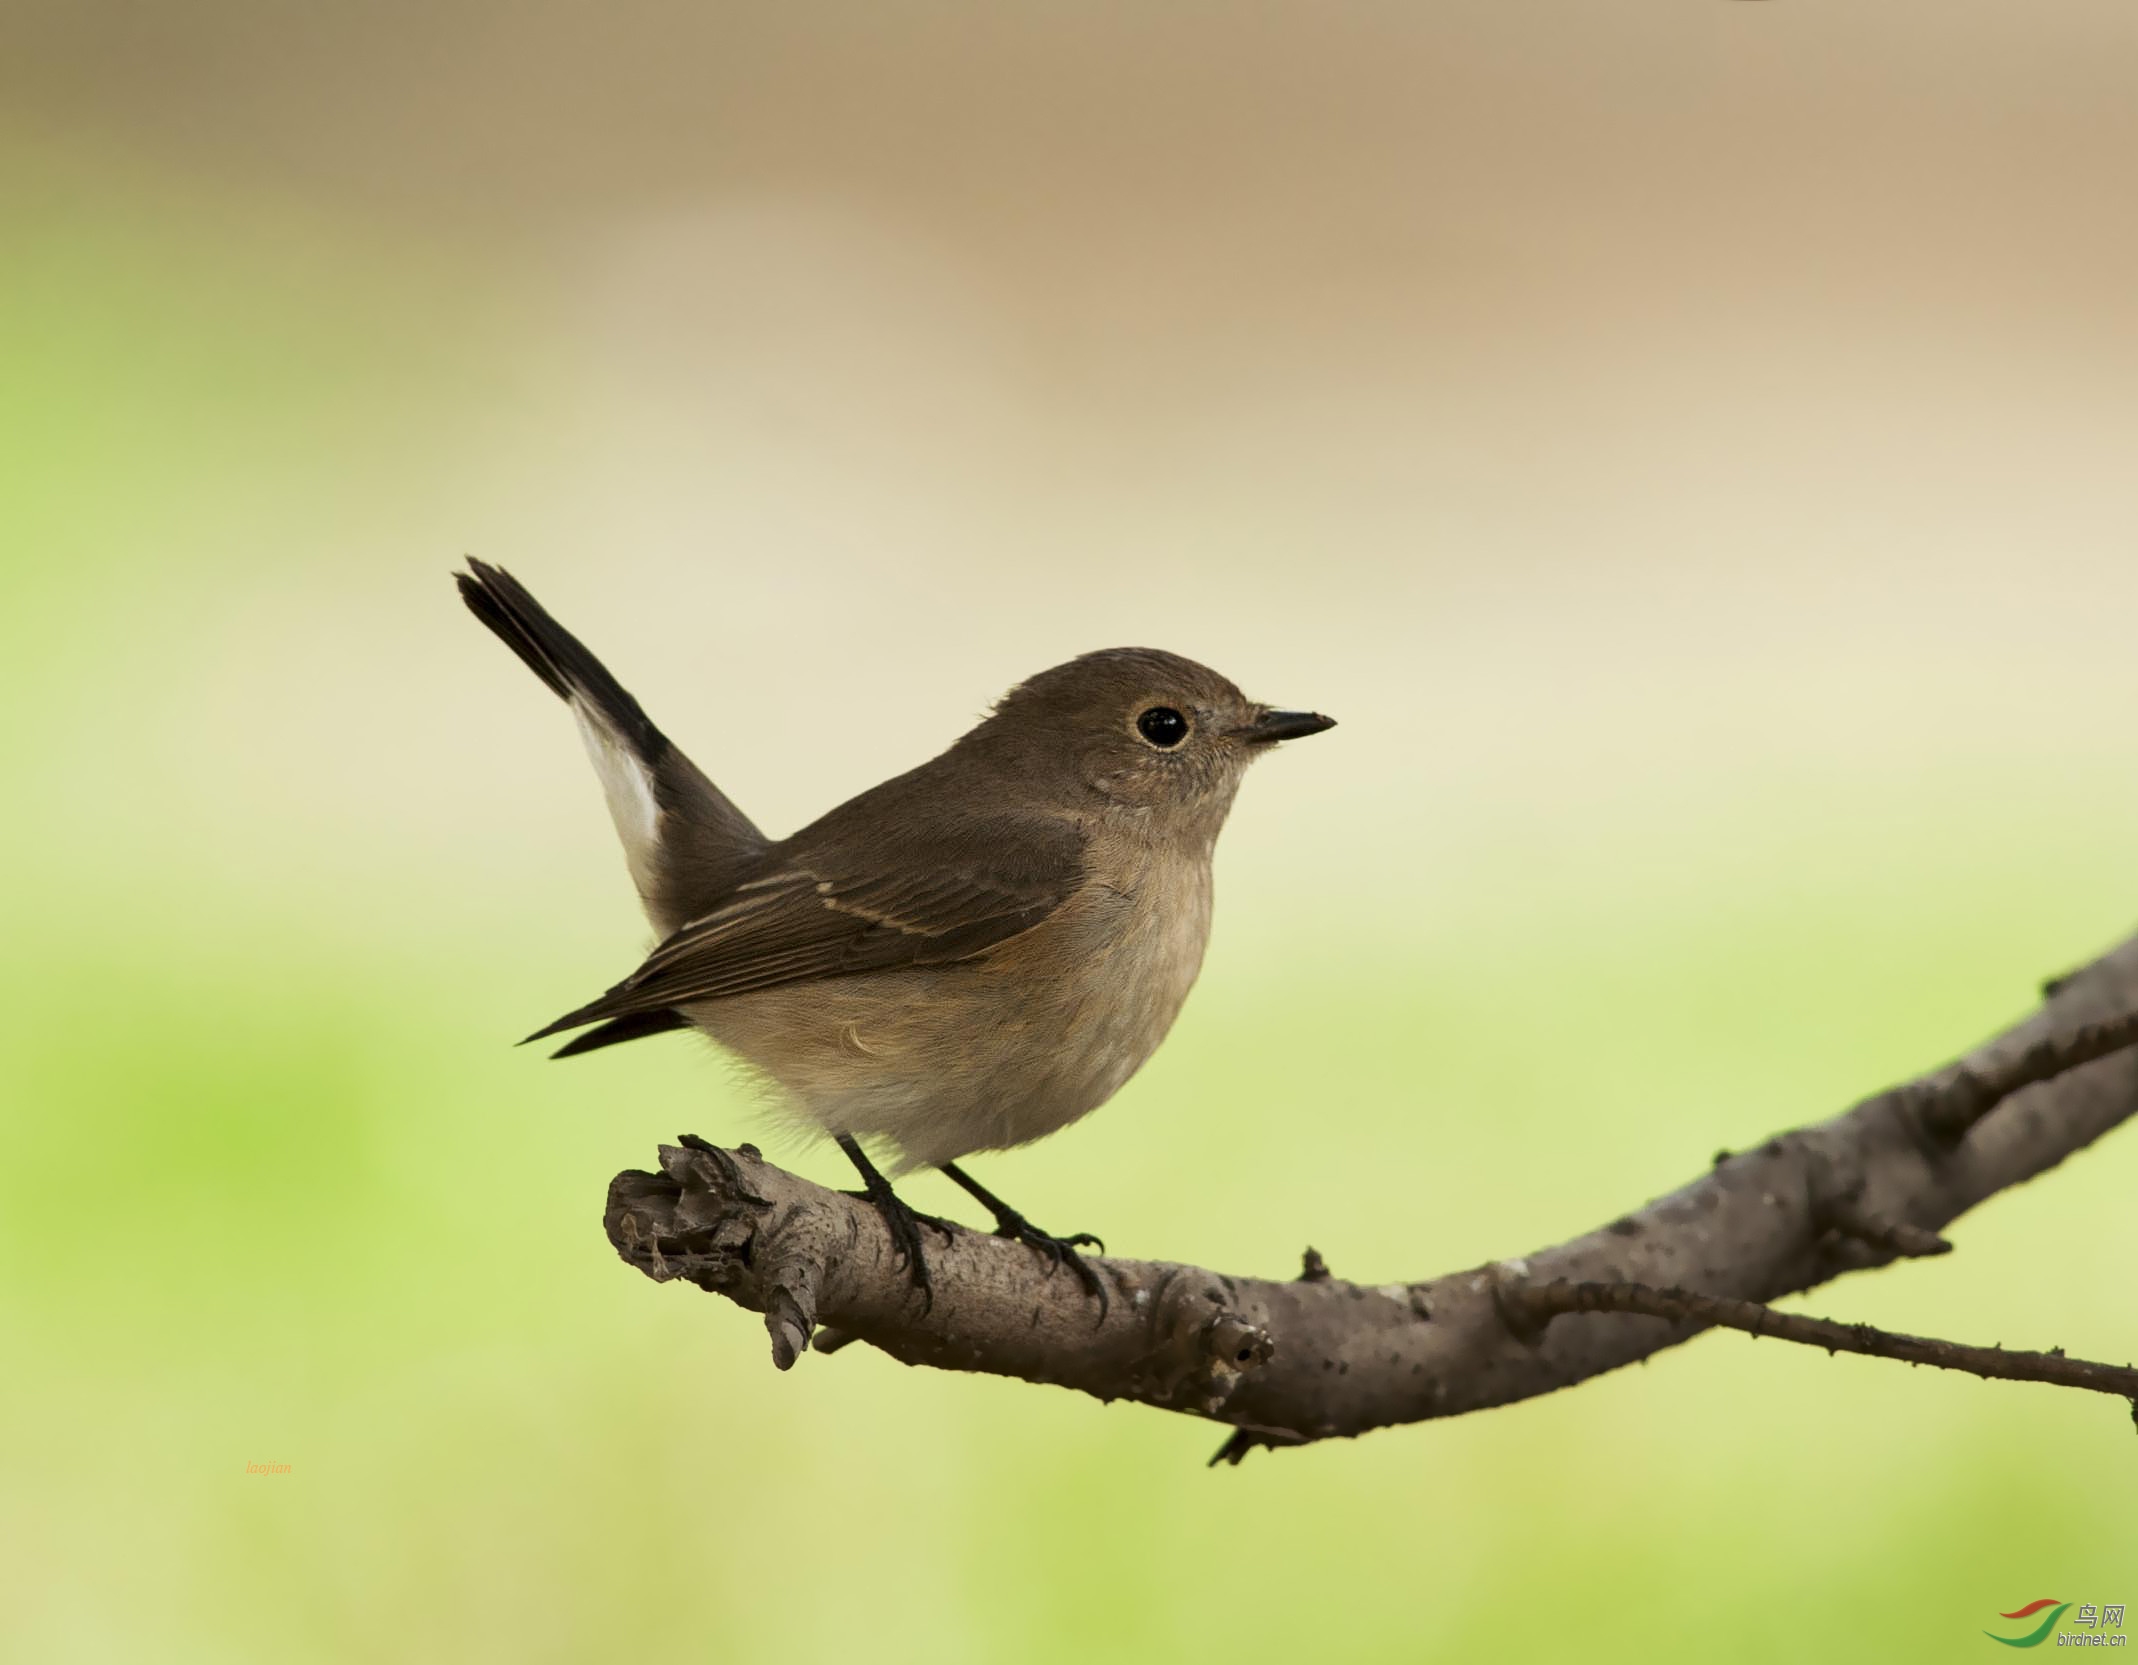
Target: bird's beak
x: 1282, y: 725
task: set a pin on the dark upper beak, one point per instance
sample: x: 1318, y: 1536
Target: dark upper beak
x: 1283, y: 725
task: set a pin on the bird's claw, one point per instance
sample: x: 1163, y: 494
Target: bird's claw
x: 1059, y: 1251
x: 904, y: 1223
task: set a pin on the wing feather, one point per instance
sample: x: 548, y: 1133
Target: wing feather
x: 808, y: 917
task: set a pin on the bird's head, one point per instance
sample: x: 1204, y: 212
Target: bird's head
x: 1143, y: 728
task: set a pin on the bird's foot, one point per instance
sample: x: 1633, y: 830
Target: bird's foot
x: 902, y: 1222
x: 1059, y: 1251
x: 904, y: 1225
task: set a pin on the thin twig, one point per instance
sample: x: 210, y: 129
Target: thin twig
x: 1894, y: 1236
x: 1535, y: 1305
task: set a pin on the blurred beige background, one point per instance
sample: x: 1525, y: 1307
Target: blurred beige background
x: 1688, y: 446
x: 1492, y: 375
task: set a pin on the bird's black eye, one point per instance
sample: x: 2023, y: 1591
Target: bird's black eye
x: 1162, y: 726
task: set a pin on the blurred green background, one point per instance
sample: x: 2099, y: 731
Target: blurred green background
x: 1688, y: 447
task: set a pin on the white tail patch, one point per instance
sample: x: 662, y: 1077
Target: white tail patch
x: 628, y: 785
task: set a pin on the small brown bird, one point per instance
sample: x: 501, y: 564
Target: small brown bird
x: 967, y: 957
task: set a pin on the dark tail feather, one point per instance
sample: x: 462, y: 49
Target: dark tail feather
x: 555, y: 655
x: 636, y: 1027
x: 699, y: 846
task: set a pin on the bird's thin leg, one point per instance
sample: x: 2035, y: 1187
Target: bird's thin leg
x: 904, y: 1224
x: 1013, y: 1225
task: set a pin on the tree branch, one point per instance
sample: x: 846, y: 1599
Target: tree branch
x: 1318, y: 1356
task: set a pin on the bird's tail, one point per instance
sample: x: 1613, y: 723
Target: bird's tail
x: 686, y: 843
x: 559, y: 658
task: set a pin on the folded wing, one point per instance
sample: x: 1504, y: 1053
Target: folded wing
x: 804, y: 919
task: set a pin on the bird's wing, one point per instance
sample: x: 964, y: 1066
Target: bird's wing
x: 808, y: 917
